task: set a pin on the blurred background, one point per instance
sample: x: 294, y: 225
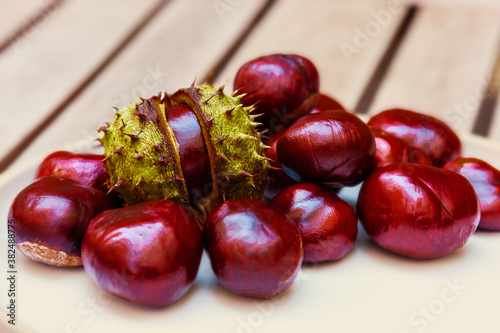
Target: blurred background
x: 65, y: 63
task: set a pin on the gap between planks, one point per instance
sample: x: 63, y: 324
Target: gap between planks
x: 33, y: 134
x: 488, y: 106
x: 221, y: 64
x: 375, y: 81
x: 31, y: 23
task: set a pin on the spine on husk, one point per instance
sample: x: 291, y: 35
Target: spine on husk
x: 142, y: 153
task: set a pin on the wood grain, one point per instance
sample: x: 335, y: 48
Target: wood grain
x: 444, y: 65
x: 169, y: 54
x: 57, y: 59
x: 328, y: 33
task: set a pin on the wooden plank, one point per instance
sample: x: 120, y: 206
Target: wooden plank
x: 444, y: 65
x: 331, y: 34
x: 169, y: 54
x: 16, y: 15
x: 459, y: 4
x: 58, y: 58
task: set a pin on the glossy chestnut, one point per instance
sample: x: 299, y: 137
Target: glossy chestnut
x: 90, y: 169
x: 254, y: 249
x: 390, y: 149
x: 147, y: 253
x: 51, y: 216
x: 428, y: 133
x: 326, y: 103
x: 282, y: 86
x: 332, y: 147
x: 328, y: 224
x: 418, y: 211
x: 194, y: 159
x: 486, y: 181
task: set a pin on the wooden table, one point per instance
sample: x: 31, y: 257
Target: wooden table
x: 65, y: 63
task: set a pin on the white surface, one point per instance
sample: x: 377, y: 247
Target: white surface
x: 370, y: 290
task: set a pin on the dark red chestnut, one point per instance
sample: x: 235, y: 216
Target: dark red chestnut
x: 255, y: 250
x: 278, y: 180
x: 486, y: 181
x: 282, y: 86
x: 194, y: 158
x: 431, y: 135
x: 390, y: 149
x: 328, y: 224
x: 326, y: 103
x: 51, y: 216
x: 86, y: 168
x: 418, y: 211
x: 332, y: 147
x: 147, y: 253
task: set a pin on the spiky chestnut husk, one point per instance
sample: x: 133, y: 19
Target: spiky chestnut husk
x: 142, y: 153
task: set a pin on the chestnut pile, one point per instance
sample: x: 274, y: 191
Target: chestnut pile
x: 185, y: 172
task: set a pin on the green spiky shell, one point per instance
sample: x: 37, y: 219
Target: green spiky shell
x: 142, y: 153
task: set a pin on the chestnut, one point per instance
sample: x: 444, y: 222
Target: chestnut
x: 90, y: 169
x: 326, y: 103
x: 486, y: 181
x: 328, y: 224
x: 51, y: 215
x: 390, y: 149
x: 418, y: 211
x: 194, y: 158
x: 278, y: 180
x: 428, y: 133
x: 148, y: 253
x: 335, y: 148
x: 254, y: 249
x: 282, y: 86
